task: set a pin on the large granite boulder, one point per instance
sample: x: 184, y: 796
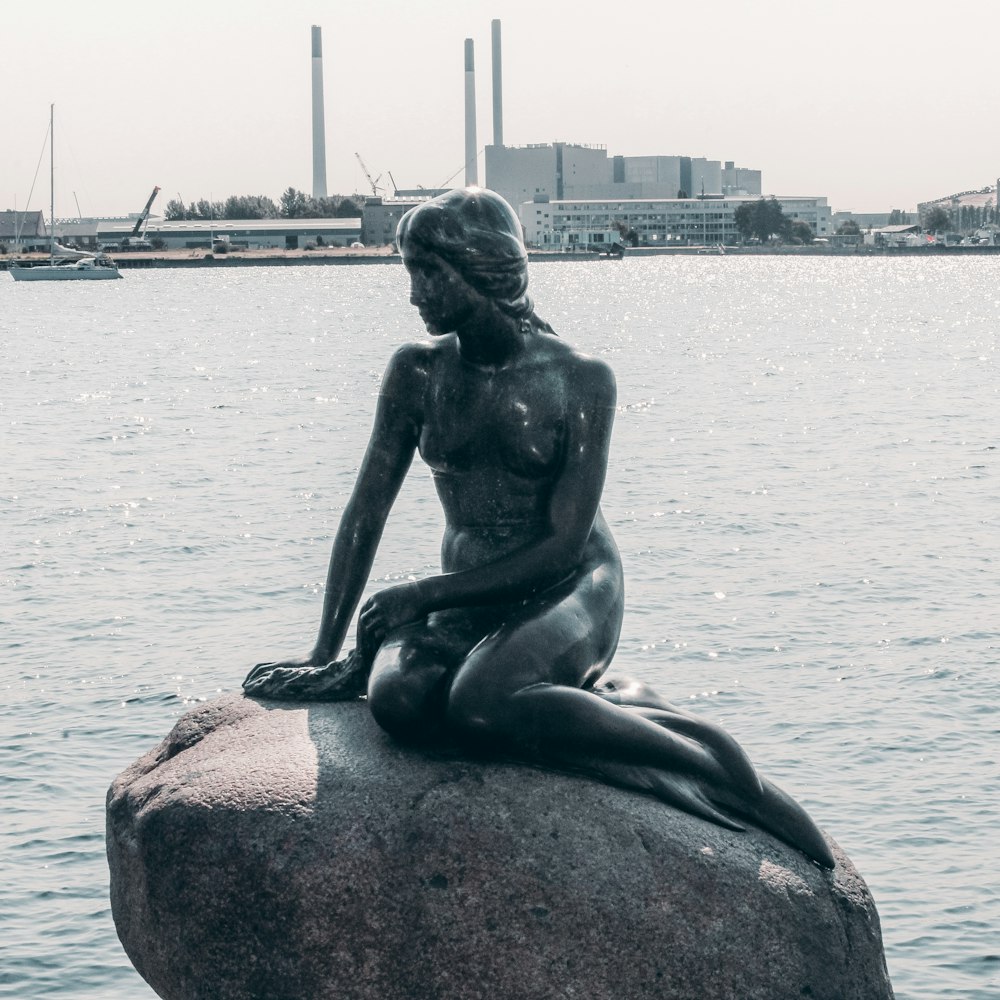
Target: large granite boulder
x: 276, y: 851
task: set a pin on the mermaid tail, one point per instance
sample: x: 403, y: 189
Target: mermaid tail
x: 780, y: 815
x: 743, y: 795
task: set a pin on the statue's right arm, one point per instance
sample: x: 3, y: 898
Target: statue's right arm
x: 394, y: 437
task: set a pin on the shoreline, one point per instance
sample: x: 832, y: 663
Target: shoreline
x: 170, y: 259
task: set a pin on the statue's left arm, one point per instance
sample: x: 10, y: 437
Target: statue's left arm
x: 388, y: 456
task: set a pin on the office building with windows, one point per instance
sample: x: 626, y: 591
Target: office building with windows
x: 551, y: 224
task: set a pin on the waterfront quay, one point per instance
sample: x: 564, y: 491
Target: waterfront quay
x: 172, y: 259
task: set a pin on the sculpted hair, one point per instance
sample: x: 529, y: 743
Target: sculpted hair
x: 478, y: 234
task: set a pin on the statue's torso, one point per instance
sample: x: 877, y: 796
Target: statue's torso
x: 495, y: 440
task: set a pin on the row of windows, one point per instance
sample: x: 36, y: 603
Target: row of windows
x: 563, y: 218
x: 658, y: 222
x: 581, y: 221
x: 691, y: 206
x: 646, y: 231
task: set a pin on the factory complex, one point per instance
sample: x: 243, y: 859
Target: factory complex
x: 573, y: 195
x: 572, y: 224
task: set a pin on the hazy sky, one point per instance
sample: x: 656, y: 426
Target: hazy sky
x: 876, y: 104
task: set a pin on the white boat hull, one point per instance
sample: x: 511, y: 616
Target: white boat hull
x: 82, y: 270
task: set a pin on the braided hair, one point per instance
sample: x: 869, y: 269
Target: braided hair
x: 478, y: 234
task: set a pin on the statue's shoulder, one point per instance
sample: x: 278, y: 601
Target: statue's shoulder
x: 413, y: 352
x: 412, y: 360
x: 407, y: 374
x: 585, y: 370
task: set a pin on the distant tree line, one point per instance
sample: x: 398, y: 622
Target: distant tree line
x: 292, y: 205
x: 937, y: 219
x: 960, y: 218
x: 765, y: 220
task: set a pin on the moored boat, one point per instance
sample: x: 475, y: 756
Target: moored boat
x: 93, y: 267
x: 87, y: 269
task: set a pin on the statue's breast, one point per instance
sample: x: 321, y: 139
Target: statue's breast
x: 495, y: 425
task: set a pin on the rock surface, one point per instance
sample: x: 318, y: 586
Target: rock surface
x: 270, y: 851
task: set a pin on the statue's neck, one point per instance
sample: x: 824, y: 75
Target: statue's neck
x: 493, y: 342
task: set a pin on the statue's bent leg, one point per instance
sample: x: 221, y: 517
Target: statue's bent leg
x: 521, y: 691
x: 406, y: 691
x: 413, y: 668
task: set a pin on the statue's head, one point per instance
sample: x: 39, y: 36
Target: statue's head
x: 477, y: 233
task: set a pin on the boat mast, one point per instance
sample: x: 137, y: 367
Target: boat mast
x: 52, y: 184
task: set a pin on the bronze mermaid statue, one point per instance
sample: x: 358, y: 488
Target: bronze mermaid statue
x: 505, y: 650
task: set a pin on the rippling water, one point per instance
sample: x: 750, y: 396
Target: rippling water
x: 804, y: 485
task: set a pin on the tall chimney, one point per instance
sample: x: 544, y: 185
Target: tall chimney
x: 471, y: 146
x: 319, y: 119
x: 497, y: 87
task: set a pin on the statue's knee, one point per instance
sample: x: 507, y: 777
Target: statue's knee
x: 408, y: 702
x: 399, y: 706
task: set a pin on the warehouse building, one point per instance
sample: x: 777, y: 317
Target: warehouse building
x: 253, y: 234
x: 192, y: 234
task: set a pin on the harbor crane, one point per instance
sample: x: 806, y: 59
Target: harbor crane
x: 140, y: 223
x: 136, y: 240
x: 371, y: 183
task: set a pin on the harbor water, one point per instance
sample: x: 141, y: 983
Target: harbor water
x: 804, y: 483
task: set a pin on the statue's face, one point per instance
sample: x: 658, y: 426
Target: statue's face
x: 443, y: 297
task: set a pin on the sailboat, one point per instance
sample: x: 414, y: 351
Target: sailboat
x: 92, y: 267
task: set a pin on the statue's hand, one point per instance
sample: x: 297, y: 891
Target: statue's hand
x: 262, y: 671
x: 385, y: 611
x: 303, y: 679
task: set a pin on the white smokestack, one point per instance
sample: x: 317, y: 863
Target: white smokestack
x: 319, y: 119
x: 497, y: 87
x: 471, y: 146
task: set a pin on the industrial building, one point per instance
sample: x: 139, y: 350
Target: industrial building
x: 863, y: 220
x: 580, y: 172
x: 190, y: 234
x: 557, y: 225
x: 285, y: 234
x: 17, y: 228
x: 569, y: 194
x: 576, y: 194
x: 380, y: 216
